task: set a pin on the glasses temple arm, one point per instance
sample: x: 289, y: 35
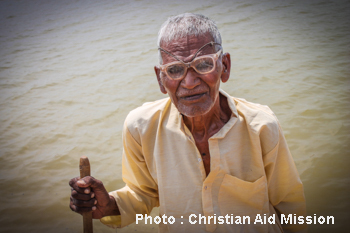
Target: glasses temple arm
x: 170, y: 54
x: 211, y: 43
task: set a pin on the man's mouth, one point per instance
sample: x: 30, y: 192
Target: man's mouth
x: 193, y: 97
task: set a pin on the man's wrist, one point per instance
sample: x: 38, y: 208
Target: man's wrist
x: 112, y: 207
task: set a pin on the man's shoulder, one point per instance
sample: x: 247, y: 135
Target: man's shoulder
x: 250, y: 108
x: 147, y: 112
x: 261, y: 121
x: 256, y: 115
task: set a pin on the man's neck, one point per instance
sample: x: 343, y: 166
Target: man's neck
x: 204, y: 126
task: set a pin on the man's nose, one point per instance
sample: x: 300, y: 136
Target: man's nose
x: 191, y: 80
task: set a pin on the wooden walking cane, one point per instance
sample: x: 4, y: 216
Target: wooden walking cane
x: 84, y: 167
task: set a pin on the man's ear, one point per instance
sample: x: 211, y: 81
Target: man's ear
x: 160, y: 83
x: 226, y: 67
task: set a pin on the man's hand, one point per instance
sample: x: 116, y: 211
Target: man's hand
x: 89, y: 194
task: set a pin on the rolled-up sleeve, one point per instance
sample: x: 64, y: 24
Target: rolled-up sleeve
x: 140, y: 194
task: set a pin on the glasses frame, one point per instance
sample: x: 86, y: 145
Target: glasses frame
x: 188, y: 65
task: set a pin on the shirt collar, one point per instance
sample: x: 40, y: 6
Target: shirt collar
x: 178, y: 119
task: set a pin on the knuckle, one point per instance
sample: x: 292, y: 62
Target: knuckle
x: 82, y: 197
x: 73, y: 208
x: 72, y: 181
x: 77, y: 203
x: 79, y: 190
x: 82, y: 203
x: 74, y: 194
x: 87, y: 197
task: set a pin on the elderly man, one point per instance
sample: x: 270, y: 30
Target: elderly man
x: 211, y: 162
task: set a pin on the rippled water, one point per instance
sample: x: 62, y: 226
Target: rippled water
x: 70, y: 71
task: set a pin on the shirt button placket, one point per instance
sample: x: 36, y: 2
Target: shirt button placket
x: 208, y: 206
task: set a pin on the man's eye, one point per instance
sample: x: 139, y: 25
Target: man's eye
x: 175, y: 69
x: 204, y: 65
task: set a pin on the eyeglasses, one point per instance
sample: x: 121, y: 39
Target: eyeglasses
x: 202, y: 65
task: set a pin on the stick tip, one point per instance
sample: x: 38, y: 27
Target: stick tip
x: 84, y: 161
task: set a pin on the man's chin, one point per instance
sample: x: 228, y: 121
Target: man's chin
x: 194, y: 110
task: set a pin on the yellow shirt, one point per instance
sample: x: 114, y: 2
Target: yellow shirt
x: 252, y: 172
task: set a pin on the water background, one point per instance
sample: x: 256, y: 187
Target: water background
x: 70, y: 71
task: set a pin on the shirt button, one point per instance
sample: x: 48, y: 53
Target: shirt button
x: 205, y: 187
x: 199, y: 159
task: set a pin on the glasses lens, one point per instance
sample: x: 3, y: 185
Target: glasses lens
x: 176, y: 71
x: 204, y: 65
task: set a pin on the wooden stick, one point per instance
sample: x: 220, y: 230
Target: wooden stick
x: 84, y: 167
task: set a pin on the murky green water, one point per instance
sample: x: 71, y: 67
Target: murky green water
x: 70, y: 71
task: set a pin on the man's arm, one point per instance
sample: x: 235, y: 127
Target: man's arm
x: 140, y: 194
x: 285, y: 188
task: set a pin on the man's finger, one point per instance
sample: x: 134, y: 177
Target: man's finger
x: 89, y: 181
x: 74, y: 184
x: 91, y: 186
x: 80, y: 210
x: 82, y: 190
x: 73, y: 181
x: 82, y: 196
x: 85, y: 182
x: 72, y: 206
x: 97, y: 187
x: 90, y: 203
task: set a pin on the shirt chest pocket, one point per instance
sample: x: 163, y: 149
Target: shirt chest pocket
x: 242, y: 198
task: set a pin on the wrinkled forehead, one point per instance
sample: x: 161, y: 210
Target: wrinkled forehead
x: 186, y: 47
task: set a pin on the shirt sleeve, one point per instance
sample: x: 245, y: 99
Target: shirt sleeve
x: 285, y: 188
x: 140, y: 193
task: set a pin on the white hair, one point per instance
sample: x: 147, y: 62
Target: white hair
x: 187, y: 24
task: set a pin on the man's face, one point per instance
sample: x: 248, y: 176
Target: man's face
x: 195, y: 94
